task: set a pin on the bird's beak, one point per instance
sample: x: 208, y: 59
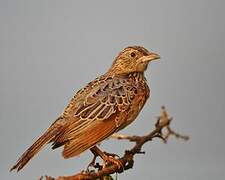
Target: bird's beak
x: 150, y: 57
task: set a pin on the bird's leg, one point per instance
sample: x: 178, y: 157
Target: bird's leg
x: 107, y: 157
x: 92, y: 163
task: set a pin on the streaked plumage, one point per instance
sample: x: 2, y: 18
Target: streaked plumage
x: 105, y: 106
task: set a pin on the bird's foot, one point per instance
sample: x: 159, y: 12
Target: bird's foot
x: 108, y: 158
x: 111, y: 159
x: 112, y: 155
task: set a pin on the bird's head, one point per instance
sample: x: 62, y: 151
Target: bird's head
x: 132, y: 59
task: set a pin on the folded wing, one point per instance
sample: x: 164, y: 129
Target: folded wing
x: 100, y: 110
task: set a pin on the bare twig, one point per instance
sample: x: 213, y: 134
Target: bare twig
x: 163, y: 123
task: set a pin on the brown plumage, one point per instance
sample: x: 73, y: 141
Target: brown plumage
x: 105, y: 106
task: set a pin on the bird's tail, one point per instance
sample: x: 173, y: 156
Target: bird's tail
x: 35, y: 148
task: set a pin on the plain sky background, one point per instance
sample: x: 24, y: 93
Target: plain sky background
x: 50, y: 49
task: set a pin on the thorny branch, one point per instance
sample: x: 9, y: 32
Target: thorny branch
x: 162, y: 130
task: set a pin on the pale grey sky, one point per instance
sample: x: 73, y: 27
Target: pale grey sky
x: 50, y: 49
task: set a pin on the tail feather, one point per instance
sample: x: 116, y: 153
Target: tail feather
x: 35, y: 148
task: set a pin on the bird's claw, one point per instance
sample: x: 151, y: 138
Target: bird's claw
x: 112, y: 160
x: 111, y: 154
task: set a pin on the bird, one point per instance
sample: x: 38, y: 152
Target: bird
x: 103, y: 107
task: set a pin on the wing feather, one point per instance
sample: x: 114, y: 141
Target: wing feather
x: 93, y: 114
x: 93, y: 135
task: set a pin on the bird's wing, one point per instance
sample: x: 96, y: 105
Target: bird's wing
x: 97, y: 113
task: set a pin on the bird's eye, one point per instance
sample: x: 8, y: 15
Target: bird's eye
x: 132, y: 54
